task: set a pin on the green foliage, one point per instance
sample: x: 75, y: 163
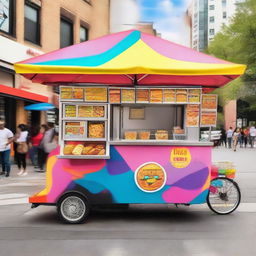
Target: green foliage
x: 220, y: 120
x: 237, y: 43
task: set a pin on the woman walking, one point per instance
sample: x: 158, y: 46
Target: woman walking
x: 21, y: 138
x: 36, y: 137
x: 241, y: 137
x: 246, y: 136
x: 236, y: 135
x: 41, y: 153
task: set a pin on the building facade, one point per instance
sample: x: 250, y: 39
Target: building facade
x: 32, y: 27
x: 207, y: 18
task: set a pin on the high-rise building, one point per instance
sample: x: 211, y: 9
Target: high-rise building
x: 207, y: 18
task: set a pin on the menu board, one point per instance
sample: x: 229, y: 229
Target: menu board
x: 192, y: 115
x: 156, y: 95
x: 194, y: 96
x: 128, y: 95
x: 70, y: 111
x: 66, y: 93
x: 76, y: 129
x: 209, y: 101
x: 169, y: 96
x: 136, y: 113
x: 78, y: 93
x: 208, y: 118
x: 96, y: 94
x: 114, y: 95
x: 142, y: 95
x: 91, y: 111
x: 181, y: 96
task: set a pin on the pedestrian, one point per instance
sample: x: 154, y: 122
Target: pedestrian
x: 36, y: 137
x: 246, y: 136
x: 41, y: 158
x: 241, y: 137
x: 223, y: 139
x: 6, y: 138
x: 236, y: 135
x: 252, y: 135
x: 21, y: 138
x: 229, y: 134
x: 47, y: 144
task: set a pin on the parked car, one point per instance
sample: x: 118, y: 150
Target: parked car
x: 215, y: 137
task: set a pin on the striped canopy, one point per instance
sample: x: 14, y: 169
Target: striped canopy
x: 129, y: 58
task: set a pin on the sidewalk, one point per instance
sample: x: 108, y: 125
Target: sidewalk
x: 16, y: 189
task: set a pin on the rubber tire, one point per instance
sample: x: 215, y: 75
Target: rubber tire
x: 239, y: 195
x: 85, y: 215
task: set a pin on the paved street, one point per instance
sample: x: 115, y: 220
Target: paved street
x: 142, y: 230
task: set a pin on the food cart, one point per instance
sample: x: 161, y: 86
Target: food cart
x: 131, y: 107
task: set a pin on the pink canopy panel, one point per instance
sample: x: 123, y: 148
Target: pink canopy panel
x: 129, y: 58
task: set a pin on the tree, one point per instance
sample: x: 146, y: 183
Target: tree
x: 237, y: 43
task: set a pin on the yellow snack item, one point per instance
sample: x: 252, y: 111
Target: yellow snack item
x: 78, y: 149
x: 87, y: 148
x: 68, y: 149
x: 130, y: 135
x: 161, y: 135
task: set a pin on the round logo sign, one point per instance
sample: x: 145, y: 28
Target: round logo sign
x: 150, y: 177
x: 180, y: 157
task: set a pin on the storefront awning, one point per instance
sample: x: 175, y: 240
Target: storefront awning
x: 40, y: 107
x: 22, y: 94
x: 129, y: 58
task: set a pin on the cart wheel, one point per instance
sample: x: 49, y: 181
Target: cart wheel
x: 224, y: 196
x: 73, y: 208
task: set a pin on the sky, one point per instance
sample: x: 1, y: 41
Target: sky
x: 168, y: 17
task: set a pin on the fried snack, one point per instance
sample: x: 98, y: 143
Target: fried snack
x: 114, y: 95
x: 66, y: 93
x: 96, y: 130
x: 98, y: 111
x: 87, y: 148
x: 78, y: 149
x: 181, y: 96
x: 128, y: 95
x: 209, y: 101
x: 78, y: 93
x: 178, y: 130
x: 169, y: 95
x: 194, y: 95
x: 96, y: 94
x: 130, y: 135
x: 70, y: 111
x: 156, y: 95
x: 102, y: 152
x: 68, y: 149
x: 94, y: 151
x: 142, y: 95
x: 161, y: 135
x: 85, y: 111
x: 144, y: 135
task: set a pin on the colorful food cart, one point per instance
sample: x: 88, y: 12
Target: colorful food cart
x: 131, y: 107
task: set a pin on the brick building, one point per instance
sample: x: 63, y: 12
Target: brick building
x: 32, y: 27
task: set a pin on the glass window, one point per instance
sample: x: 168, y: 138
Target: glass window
x: 224, y: 15
x: 224, y: 3
x: 32, y: 25
x: 6, y: 16
x: 211, y: 7
x: 83, y: 34
x: 212, y: 19
x: 212, y: 32
x: 66, y: 32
